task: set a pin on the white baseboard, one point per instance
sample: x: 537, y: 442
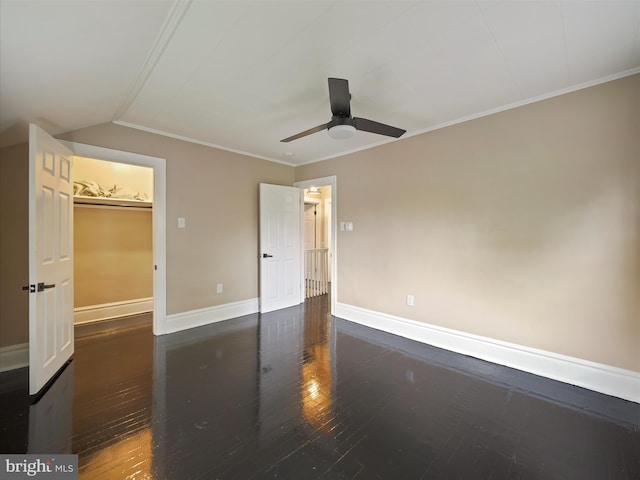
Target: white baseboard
x: 17, y: 356
x: 594, y: 376
x: 205, y: 316
x: 95, y: 313
x: 14, y: 356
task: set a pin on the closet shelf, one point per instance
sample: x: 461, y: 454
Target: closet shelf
x: 111, y: 202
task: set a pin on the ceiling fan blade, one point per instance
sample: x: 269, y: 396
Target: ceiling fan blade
x: 379, y: 128
x: 319, y: 128
x: 339, y: 97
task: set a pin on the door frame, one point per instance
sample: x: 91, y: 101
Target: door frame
x: 158, y: 213
x: 331, y: 181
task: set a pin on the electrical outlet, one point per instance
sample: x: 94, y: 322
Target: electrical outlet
x: 181, y: 222
x: 410, y: 300
x: 219, y: 288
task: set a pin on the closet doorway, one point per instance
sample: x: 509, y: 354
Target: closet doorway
x: 158, y: 165
x: 113, y: 244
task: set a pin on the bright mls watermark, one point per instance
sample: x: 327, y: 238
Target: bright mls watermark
x: 52, y: 467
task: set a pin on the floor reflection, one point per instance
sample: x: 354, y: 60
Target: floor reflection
x: 50, y: 418
x: 242, y: 393
x: 205, y: 411
x: 296, y: 394
x: 317, y: 365
x: 112, y: 408
x: 130, y: 457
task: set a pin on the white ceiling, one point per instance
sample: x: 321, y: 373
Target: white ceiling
x: 243, y: 75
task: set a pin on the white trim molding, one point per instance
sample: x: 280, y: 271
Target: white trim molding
x: 95, y: 313
x: 14, y: 356
x: 594, y: 376
x: 204, y: 316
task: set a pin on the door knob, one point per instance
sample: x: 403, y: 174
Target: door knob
x: 42, y: 287
x: 266, y: 255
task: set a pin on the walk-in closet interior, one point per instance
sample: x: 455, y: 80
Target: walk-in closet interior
x: 113, y: 243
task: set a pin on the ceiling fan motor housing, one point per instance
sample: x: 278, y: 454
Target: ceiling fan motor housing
x: 341, y: 120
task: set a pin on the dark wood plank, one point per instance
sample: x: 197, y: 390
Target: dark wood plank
x: 296, y: 394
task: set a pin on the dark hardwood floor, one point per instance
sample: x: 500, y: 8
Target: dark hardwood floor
x: 296, y: 394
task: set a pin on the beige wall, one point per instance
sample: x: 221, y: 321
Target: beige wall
x: 14, y: 245
x: 113, y: 254
x: 521, y: 226
x: 217, y: 194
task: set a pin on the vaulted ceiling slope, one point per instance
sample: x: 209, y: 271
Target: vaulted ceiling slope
x: 243, y: 75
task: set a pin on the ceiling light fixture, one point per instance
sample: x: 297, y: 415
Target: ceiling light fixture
x: 313, y: 191
x: 342, y: 132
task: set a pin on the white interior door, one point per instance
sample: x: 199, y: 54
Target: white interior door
x: 50, y: 257
x: 280, y: 247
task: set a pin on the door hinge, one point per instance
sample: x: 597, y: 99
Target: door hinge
x: 30, y: 288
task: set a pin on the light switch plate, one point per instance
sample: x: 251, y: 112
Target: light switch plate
x: 410, y: 300
x: 181, y: 222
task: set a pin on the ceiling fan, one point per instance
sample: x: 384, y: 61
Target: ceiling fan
x: 342, y: 124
